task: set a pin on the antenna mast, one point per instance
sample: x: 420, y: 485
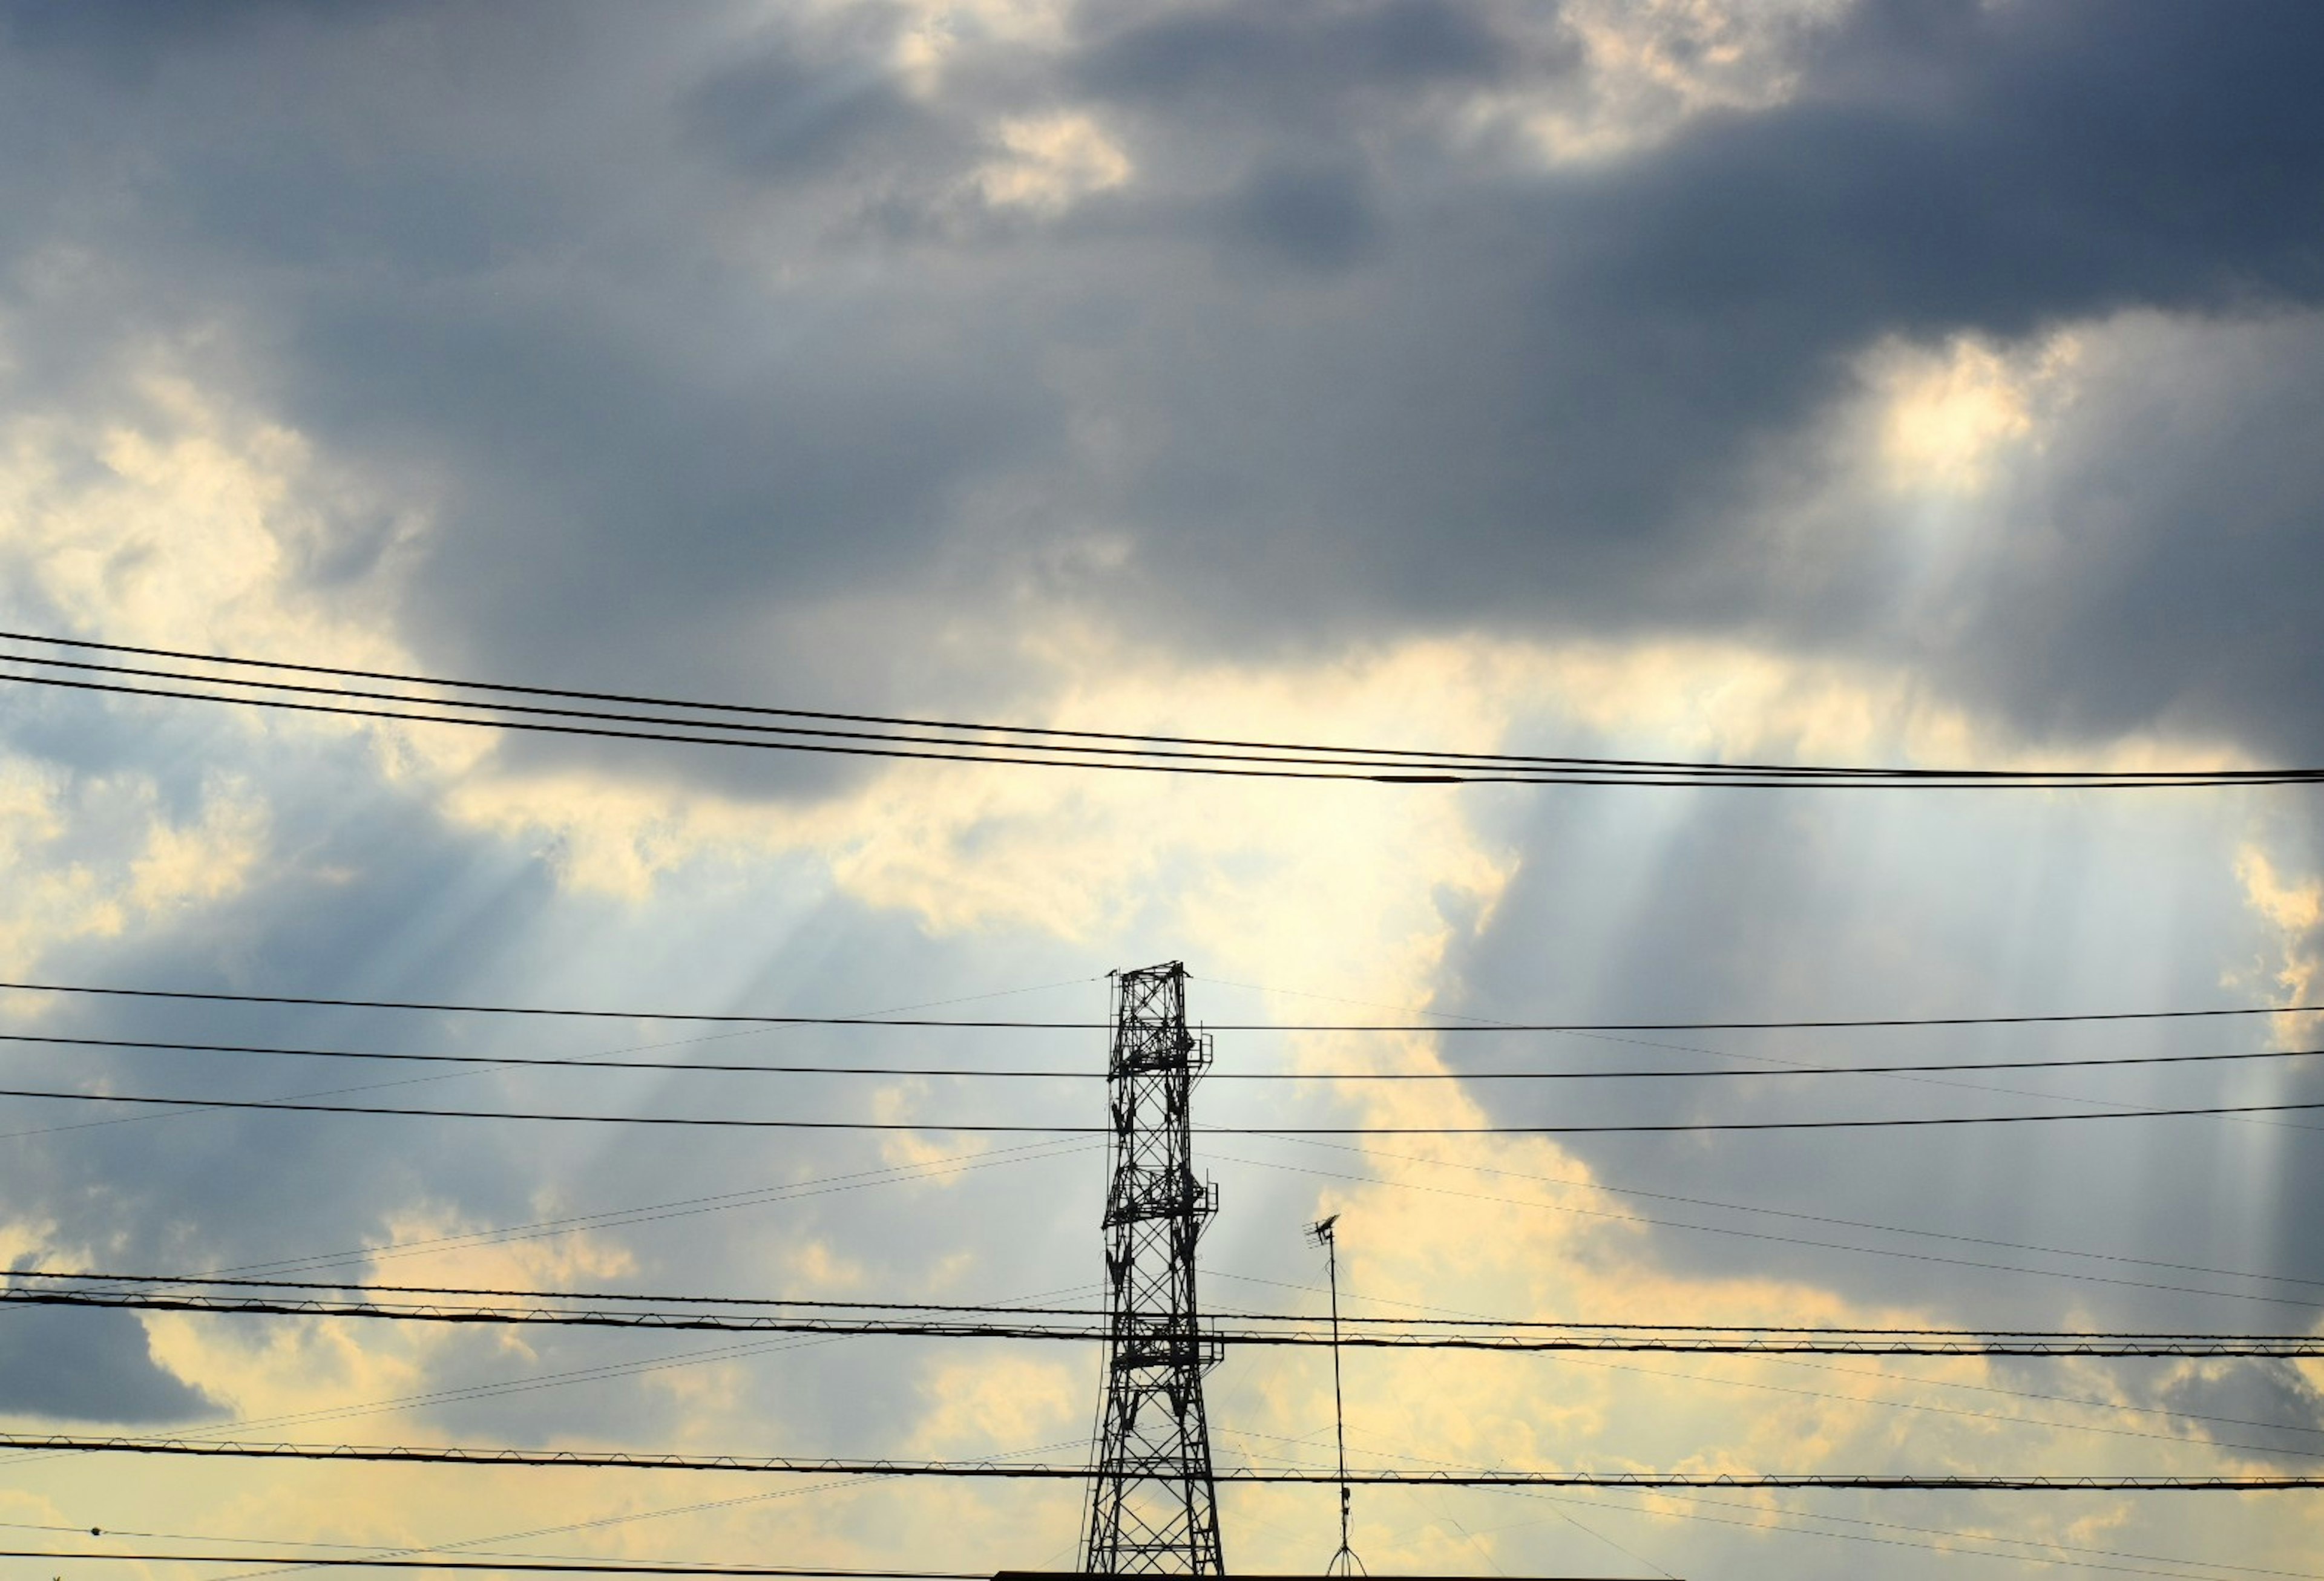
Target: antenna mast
x: 1323, y: 1233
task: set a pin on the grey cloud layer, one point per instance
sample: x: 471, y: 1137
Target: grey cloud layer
x: 720, y: 374
x: 691, y: 332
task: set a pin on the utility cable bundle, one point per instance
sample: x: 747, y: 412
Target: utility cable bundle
x: 385, y: 695
x: 793, y: 1464
x: 194, y: 1294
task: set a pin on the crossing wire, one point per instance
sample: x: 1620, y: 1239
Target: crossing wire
x: 1279, y: 1332
x: 593, y: 1062
x: 360, y: 1548
x: 829, y: 732
x: 1468, y: 1029
x: 1432, y: 1318
x: 1014, y: 1128
x: 782, y: 1465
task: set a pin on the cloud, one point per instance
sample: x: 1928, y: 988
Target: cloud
x: 1877, y: 384
x: 89, y: 1366
x: 1050, y: 162
x: 93, y: 858
x: 1310, y: 383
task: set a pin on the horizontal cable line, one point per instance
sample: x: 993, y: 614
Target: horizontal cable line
x: 1761, y: 1510
x: 585, y: 1013
x: 560, y: 1567
x: 684, y: 1207
x: 475, y: 1549
x: 796, y: 737
x: 1012, y: 1128
x: 2115, y: 1280
x: 593, y: 1062
x: 1835, y: 1023
x: 454, y: 1455
x: 653, y: 1298
x: 1053, y: 733
x: 830, y: 749
x: 1292, y: 1332
x: 1379, y: 768
x: 1019, y: 1310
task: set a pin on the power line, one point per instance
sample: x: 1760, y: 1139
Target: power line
x: 1433, y: 1318
x: 1267, y: 1329
x: 1430, y: 1321
x: 1462, y: 1027
x: 904, y: 736
x: 373, y: 1547
x: 923, y: 723
x: 505, y: 1293
x: 2300, y: 1301
x: 1762, y: 1510
x: 476, y: 1544
x: 1155, y: 760
x: 694, y: 736
x: 565, y: 1011
x: 1012, y: 1128
x: 593, y: 1062
x: 684, y: 1207
x: 1642, y: 1194
x: 456, y: 1455
x: 2112, y: 1407
x: 533, y: 1384
x: 561, y: 1568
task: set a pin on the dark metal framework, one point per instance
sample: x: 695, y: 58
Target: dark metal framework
x: 1153, y: 1497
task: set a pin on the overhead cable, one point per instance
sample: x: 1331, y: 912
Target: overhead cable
x: 1428, y: 1320
x: 1280, y: 1332
x: 594, y: 1063
x: 1014, y: 1128
x: 528, y: 1567
x: 783, y: 1465
x: 490, y: 704
x: 470, y: 1550
x: 1462, y: 1028
x: 1395, y: 1183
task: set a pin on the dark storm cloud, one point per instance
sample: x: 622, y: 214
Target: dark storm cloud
x: 126, y: 37
x: 2155, y: 561
x: 1544, y: 402
x: 1291, y: 61
x: 89, y: 1366
x: 2268, y: 1406
x: 694, y: 330
x: 799, y: 107
x: 1322, y: 218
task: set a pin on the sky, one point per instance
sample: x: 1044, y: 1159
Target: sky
x: 1933, y: 383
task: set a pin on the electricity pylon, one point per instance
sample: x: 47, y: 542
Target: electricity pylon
x: 1153, y: 1504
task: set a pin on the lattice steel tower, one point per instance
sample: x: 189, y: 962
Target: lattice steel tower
x: 1153, y: 1504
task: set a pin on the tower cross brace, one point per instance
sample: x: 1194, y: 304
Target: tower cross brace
x: 1153, y: 1503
